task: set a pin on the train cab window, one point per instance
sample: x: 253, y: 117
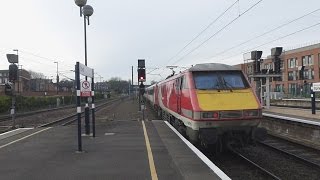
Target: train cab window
x: 219, y: 80
x: 151, y: 91
x: 184, y: 83
x: 233, y: 80
x: 206, y: 80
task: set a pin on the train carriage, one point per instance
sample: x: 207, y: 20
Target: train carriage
x: 209, y: 103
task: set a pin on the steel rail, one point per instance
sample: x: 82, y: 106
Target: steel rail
x: 291, y: 154
x: 30, y: 113
x: 254, y: 164
x: 74, y: 115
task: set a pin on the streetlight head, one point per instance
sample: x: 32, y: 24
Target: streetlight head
x: 87, y: 10
x: 80, y: 3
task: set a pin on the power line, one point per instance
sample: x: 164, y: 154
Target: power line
x: 207, y: 27
x: 61, y: 74
x: 51, y: 60
x: 309, y: 27
x: 42, y: 57
x: 263, y: 34
x: 67, y: 66
x: 36, y: 61
x: 224, y: 27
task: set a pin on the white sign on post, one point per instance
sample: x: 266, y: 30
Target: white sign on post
x: 86, y: 71
x: 85, y: 89
x: 316, y: 87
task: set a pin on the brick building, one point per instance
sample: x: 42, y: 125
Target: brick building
x: 295, y: 63
x: 22, y: 84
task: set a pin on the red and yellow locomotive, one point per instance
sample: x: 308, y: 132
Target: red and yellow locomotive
x: 209, y: 103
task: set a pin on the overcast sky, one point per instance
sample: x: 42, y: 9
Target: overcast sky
x: 123, y: 31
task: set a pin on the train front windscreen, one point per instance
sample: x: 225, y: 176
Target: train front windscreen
x: 220, y: 80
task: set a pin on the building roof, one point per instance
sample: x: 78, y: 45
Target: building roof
x: 305, y: 48
x: 297, y: 50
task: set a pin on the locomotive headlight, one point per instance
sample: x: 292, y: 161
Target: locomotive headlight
x: 209, y: 115
x: 251, y: 113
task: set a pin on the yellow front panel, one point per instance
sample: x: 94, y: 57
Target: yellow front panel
x: 226, y: 100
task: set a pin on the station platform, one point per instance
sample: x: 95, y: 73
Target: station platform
x: 120, y: 150
x: 298, y: 113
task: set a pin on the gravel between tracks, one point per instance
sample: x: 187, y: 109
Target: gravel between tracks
x: 124, y: 110
x: 40, y: 118
x: 284, y: 166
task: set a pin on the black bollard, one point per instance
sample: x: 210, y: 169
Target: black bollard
x: 87, y: 120
x: 313, y: 102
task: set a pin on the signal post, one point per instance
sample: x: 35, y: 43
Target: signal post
x: 141, y: 79
x: 265, y: 74
x: 10, y: 88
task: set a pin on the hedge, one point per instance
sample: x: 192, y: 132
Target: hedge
x: 33, y: 103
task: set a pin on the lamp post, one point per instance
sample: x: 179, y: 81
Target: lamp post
x: 86, y: 11
x: 57, y: 76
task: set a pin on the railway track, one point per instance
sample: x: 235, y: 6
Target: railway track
x: 51, y: 117
x: 267, y: 173
x: 30, y: 113
x: 72, y: 118
x: 305, y: 154
x: 8, y: 117
x: 239, y: 167
x: 264, y: 162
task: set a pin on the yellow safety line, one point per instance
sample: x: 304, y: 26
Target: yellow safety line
x: 153, y: 171
x: 23, y: 138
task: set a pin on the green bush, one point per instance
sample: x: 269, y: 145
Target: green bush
x: 33, y: 103
x: 5, y: 104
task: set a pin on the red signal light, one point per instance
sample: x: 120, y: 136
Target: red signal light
x: 142, y: 75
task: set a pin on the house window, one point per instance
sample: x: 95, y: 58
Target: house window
x: 290, y: 76
x: 268, y: 66
x: 306, y: 74
x: 312, y: 74
x: 249, y: 69
x: 307, y: 60
x: 292, y: 88
x: 292, y: 62
x: 279, y: 88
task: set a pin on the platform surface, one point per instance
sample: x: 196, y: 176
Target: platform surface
x: 299, y: 113
x: 118, y: 152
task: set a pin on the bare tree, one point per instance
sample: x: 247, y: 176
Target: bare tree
x: 118, y: 85
x: 36, y: 75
